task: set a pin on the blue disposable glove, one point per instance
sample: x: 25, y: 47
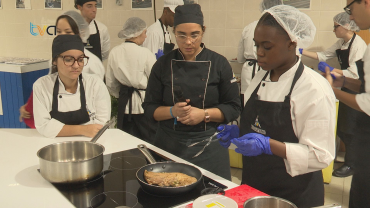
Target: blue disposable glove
x: 300, y: 50
x: 252, y: 144
x: 227, y: 132
x: 322, y: 65
x: 159, y: 53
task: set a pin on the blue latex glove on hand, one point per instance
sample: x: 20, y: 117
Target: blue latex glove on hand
x: 159, y: 53
x: 300, y: 50
x: 322, y: 65
x: 252, y: 144
x: 229, y: 132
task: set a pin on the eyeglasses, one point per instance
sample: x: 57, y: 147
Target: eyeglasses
x: 336, y: 26
x: 70, y: 60
x: 184, y: 38
x: 347, y: 9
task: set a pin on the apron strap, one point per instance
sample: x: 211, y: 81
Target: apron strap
x: 295, y: 79
x: 164, y: 33
x: 56, y: 92
x: 254, y: 63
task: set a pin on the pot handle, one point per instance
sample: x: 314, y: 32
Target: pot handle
x: 101, y: 131
x: 147, y: 154
x: 330, y: 206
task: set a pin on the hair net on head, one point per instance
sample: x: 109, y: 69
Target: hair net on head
x: 82, y: 25
x: 132, y: 28
x: 298, y: 25
x: 267, y: 4
x: 343, y: 20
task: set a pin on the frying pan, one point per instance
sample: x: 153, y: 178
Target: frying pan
x: 72, y: 161
x: 167, y: 167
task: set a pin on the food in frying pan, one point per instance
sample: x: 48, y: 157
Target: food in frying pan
x: 168, y: 179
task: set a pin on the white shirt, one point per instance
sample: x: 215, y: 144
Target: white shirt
x: 97, y: 102
x: 363, y: 99
x: 356, y: 53
x: 104, y: 37
x: 247, y: 50
x: 94, y: 65
x: 155, y: 38
x: 313, y: 112
x: 130, y: 65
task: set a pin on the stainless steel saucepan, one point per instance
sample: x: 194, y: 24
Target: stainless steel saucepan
x: 72, y: 161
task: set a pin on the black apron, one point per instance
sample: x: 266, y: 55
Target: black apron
x: 347, y: 116
x: 175, y: 140
x: 93, y: 43
x: 167, y: 47
x: 360, y: 186
x: 76, y: 117
x: 267, y: 173
x: 125, y: 95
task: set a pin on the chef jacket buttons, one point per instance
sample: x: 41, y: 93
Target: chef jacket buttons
x: 60, y: 96
x: 200, y: 96
x: 203, y: 79
x: 263, y: 84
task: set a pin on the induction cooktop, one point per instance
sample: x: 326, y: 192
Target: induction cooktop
x: 118, y: 187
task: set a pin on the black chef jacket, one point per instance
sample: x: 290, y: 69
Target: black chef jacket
x: 222, y: 91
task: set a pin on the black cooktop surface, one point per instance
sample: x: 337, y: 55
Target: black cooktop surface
x: 118, y: 187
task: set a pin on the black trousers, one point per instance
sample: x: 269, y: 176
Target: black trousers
x: 349, y: 141
x: 360, y: 187
x: 140, y: 127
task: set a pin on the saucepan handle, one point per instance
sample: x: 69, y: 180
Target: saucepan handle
x: 147, y: 154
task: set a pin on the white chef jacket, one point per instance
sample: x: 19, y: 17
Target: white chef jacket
x: 155, y: 38
x: 98, y: 102
x: 247, y: 50
x: 130, y: 65
x: 104, y: 37
x: 363, y: 99
x: 356, y: 53
x: 94, y: 65
x: 313, y: 112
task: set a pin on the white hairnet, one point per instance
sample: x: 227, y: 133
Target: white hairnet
x: 267, y: 4
x: 298, y: 25
x: 132, y: 28
x: 343, y: 20
x: 172, y: 4
x: 83, y: 26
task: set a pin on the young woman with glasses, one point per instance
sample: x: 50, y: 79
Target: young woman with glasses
x: 191, y: 91
x: 70, y: 23
x: 69, y: 103
x: 348, y: 49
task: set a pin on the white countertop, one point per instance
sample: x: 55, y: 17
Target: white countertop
x: 14, y: 68
x: 21, y: 185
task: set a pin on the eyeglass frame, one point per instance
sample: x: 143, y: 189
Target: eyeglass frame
x: 336, y: 26
x: 75, y: 60
x: 347, y: 9
x: 192, y: 40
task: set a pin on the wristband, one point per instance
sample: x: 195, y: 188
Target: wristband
x: 175, y: 122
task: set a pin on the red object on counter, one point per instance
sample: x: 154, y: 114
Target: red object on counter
x: 240, y: 194
x: 30, y: 122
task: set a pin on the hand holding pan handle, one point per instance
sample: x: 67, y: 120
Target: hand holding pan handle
x: 147, y: 154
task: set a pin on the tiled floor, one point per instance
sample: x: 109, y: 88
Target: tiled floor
x: 335, y: 192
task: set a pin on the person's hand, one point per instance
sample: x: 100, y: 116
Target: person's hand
x: 227, y: 132
x: 300, y: 50
x: 181, y: 109
x: 322, y: 65
x: 23, y: 113
x: 335, y: 79
x: 159, y: 53
x: 252, y: 144
x: 91, y: 130
x: 194, y: 117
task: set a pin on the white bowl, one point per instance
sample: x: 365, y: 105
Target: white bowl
x: 214, y: 201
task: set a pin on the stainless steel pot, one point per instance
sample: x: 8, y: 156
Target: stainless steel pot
x: 275, y: 202
x: 268, y: 202
x: 72, y: 161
